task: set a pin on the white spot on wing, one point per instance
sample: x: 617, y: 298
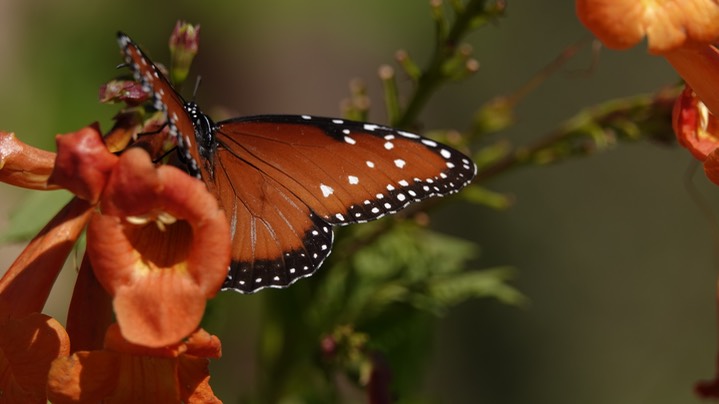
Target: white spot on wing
x: 389, y: 146
x: 349, y: 140
x: 445, y: 153
x: 326, y: 190
x: 400, y: 163
x: 370, y: 164
x: 352, y: 179
x: 408, y: 134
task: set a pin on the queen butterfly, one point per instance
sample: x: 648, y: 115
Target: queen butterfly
x: 285, y: 180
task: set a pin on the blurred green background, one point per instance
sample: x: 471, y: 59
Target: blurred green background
x: 617, y: 259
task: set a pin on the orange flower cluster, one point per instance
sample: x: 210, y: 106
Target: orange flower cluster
x: 158, y: 247
x: 684, y: 32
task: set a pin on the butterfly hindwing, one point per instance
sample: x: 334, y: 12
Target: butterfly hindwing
x: 275, y: 238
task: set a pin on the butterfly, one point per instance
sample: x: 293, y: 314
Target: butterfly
x: 285, y: 180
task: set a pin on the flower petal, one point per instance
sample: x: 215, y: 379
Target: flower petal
x: 201, y: 343
x: 23, y: 165
x: 711, y: 166
x: 90, y: 311
x: 668, y: 24
x: 695, y: 126
x: 24, y: 288
x: 194, y: 380
x: 83, y: 377
x: 27, y: 347
x: 83, y: 163
x: 128, y: 373
x: 193, y: 373
x: 128, y: 91
x: 699, y: 67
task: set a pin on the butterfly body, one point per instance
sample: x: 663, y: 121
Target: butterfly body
x: 285, y: 180
x: 204, y: 129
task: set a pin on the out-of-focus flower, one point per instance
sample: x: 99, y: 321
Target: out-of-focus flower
x: 696, y: 128
x: 682, y: 31
x: 128, y: 91
x: 667, y: 24
x: 184, y: 44
x: 128, y: 373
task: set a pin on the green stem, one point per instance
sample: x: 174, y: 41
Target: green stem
x: 433, y: 75
x: 645, y: 117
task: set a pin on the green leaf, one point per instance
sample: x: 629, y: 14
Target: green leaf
x: 27, y: 219
x: 486, y: 283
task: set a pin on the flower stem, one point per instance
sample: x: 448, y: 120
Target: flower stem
x: 445, y: 47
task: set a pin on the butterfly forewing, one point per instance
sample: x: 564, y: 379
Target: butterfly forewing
x: 165, y: 99
x: 284, y: 180
x: 346, y: 172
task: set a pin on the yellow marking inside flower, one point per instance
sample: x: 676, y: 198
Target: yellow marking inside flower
x: 165, y: 246
x: 707, y: 127
x: 703, y: 115
x: 137, y: 220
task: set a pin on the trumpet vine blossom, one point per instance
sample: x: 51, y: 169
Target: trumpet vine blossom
x: 684, y: 32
